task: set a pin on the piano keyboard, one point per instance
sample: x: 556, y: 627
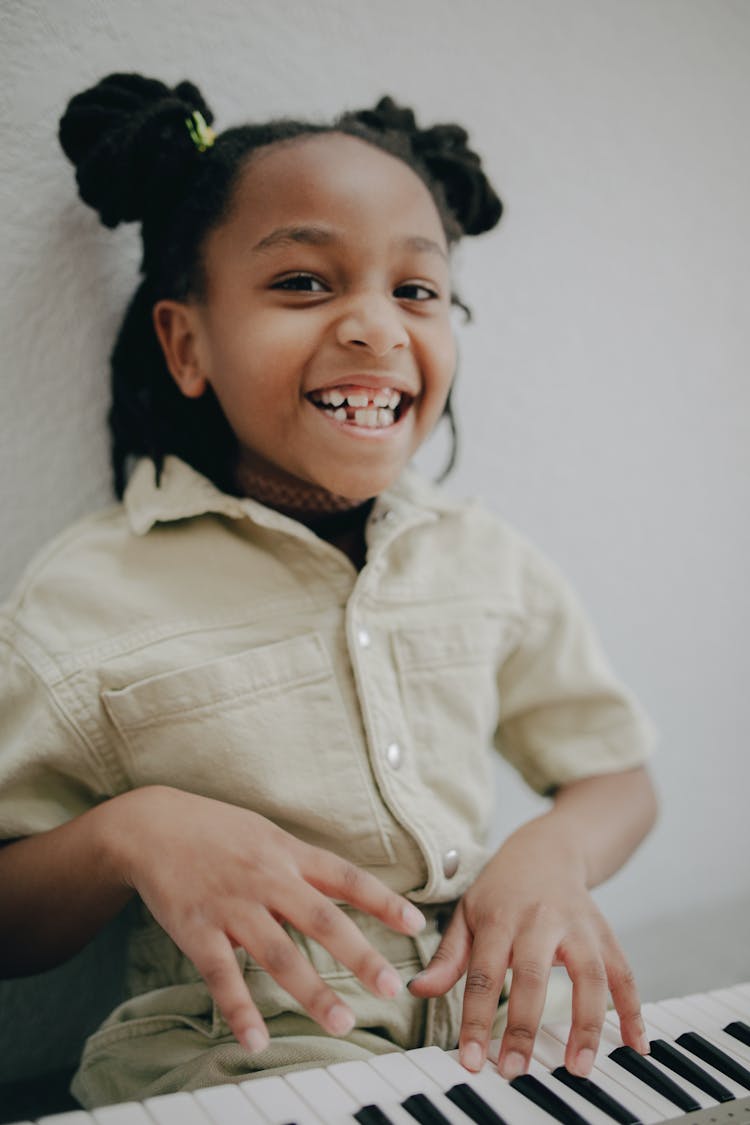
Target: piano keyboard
x: 698, y: 1071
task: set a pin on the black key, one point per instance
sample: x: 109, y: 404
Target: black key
x: 713, y: 1055
x: 665, y: 1053
x: 424, y: 1111
x: 740, y: 1030
x: 473, y: 1105
x: 645, y: 1071
x: 538, y: 1093
x: 371, y: 1115
x: 598, y: 1097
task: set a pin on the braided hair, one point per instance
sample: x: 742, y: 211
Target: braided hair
x: 144, y: 152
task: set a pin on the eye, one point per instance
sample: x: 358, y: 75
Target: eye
x: 300, y: 283
x: 413, y: 291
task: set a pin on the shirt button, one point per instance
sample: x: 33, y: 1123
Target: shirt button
x: 363, y: 637
x: 389, y: 515
x: 451, y: 860
x: 393, y: 755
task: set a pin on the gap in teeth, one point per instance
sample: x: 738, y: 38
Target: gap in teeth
x: 373, y: 418
x: 385, y: 398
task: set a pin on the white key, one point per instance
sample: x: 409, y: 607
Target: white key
x: 74, y: 1117
x: 551, y: 1053
x: 176, y: 1109
x: 370, y: 1088
x: 696, y: 1019
x: 612, y: 1036
x: 407, y: 1079
x: 491, y: 1086
x: 588, y: 1111
x: 278, y: 1102
x: 735, y: 1000
x: 227, y: 1105
x: 743, y: 990
x: 127, y: 1113
x: 653, y: 1032
x: 318, y: 1089
x: 603, y: 1063
x: 674, y: 1026
x: 721, y: 1014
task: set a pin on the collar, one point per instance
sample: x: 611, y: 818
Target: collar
x: 184, y: 493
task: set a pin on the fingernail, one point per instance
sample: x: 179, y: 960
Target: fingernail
x: 513, y: 1065
x: 388, y: 982
x: 254, y: 1040
x: 339, y: 1020
x: 472, y: 1056
x: 584, y: 1062
x: 416, y: 977
x: 413, y: 918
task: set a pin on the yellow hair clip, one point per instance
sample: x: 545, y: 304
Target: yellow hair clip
x: 201, y: 134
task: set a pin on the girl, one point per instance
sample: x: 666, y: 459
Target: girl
x: 258, y: 694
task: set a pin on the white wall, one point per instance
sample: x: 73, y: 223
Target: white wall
x: 603, y: 397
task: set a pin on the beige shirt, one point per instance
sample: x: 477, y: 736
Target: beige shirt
x: 199, y: 640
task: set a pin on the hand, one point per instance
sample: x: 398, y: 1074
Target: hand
x: 216, y: 877
x: 528, y: 910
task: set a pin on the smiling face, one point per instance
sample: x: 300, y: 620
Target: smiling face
x: 325, y: 332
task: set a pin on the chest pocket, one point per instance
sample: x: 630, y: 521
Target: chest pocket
x: 448, y: 680
x: 266, y: 729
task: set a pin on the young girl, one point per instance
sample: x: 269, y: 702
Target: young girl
x: 260, y: 693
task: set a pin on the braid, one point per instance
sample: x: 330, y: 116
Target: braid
x: 143, y: 152
x: 443, y: 157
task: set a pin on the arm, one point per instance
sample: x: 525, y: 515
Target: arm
x: 215, y: 877
x: 530, y: 908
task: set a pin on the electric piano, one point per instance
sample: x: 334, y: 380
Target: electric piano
x: 697, y: 1072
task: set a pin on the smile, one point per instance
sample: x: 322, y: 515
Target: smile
x: 367, y: 409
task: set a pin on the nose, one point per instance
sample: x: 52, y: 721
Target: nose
x: 372, y: 321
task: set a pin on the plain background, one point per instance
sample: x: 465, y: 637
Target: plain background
x: 603, y: 397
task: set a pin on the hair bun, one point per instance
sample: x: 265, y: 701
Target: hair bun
x: 130, y: 144
x: 445, y: 151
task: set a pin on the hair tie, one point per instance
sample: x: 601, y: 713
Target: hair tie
x: 201, y: 134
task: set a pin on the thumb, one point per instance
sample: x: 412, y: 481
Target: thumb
x: 449, y: 960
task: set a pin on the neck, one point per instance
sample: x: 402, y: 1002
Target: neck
x: 337, y: 519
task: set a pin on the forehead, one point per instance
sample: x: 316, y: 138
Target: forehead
x: 332, y: 179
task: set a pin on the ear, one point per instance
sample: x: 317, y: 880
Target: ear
x: 176, y: 326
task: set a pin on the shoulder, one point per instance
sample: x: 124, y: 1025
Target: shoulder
x: 70, y: 578
x: 482, y: 545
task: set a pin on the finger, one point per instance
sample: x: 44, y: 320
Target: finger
x: 531, y: 961
x: 587, y: 972
x: 315, y: 915
x: 217, y: 964
x: 270, y: 945
x: 449, y: 960
x: 485, y: 976
x: 341, y: 880
x: 625, y: 996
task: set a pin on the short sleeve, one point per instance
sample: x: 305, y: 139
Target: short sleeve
x: 45, y: 774
x: 564, y: 715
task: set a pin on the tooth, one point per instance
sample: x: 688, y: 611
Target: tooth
x: 382, y: 398
x: 336, y: 398
x: 394, y: 400
x: 360, y: 417
x: 372, y: 417
x: 357, y: 400
x: 340, y: 414
x: 385, y: 417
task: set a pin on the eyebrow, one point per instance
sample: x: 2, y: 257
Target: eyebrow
x: 320, y: 236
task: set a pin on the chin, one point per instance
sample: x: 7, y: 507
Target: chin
x: 361, y: 485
